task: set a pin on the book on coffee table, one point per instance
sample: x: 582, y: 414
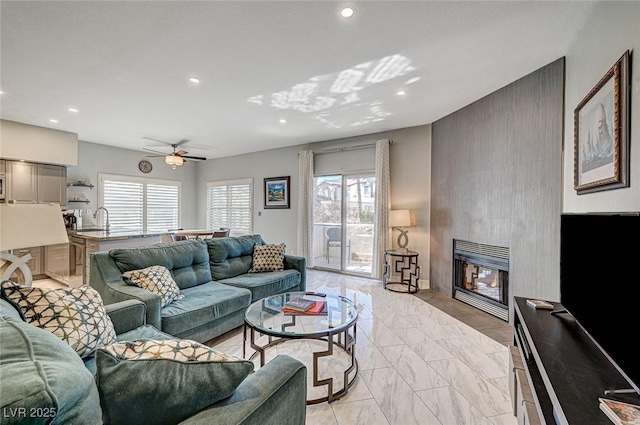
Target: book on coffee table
x: 298, y: 304
x: 318, y: 308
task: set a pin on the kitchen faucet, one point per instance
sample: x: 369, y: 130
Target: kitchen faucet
x: 95, y: 214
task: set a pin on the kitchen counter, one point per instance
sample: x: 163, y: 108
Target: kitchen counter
x: 114, y: 235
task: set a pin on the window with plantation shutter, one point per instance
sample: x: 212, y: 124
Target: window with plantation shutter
x: 229, y: 205
x: 138, y: 203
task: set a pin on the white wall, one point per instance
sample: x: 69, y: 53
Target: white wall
x: 274, y: 225
x: 94, y: 158
x: 612, y: 28
x: 410, y: 159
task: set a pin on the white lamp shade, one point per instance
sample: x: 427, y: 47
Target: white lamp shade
x: 30, y: 225
x: 173, y: 160
x: 400, y: 218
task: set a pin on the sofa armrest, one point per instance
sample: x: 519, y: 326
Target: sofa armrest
x: 127, y: 315
x: 106, y: 278
x: 273, y: 395
x: 300, y: 264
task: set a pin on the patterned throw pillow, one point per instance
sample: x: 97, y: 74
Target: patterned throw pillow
x: 163, y: 381
x: 268, y: 258
x: 185, y: 351
x: 75, y: 315
x: 158, y: 280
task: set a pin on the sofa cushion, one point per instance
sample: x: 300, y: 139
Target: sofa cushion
x: 229, y: 257
x: 164, y: 381
x: 39, y: 371
x: 156, y: 279
x: 188, y: 261
x: 202, y: 304
x: 268, y: 258
x: 264, y: 284
x: 75, y: 315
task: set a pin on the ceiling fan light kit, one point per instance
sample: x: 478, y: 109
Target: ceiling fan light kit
x: 176, y: 158
x: 173, y: 160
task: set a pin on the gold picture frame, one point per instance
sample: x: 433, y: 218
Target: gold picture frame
x: 601, y: 133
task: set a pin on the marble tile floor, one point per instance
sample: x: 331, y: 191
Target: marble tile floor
x: 417, y: 364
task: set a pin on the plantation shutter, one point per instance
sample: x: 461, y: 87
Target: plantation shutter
x: 162, y: 207
x: 229, y: 205
x: 125, y: 203
x: 137, y: 203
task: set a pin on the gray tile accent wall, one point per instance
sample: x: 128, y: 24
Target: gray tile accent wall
x: 497, y: 180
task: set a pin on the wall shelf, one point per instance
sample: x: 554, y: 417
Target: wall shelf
x: 90, y: 186
x: 86, y: 201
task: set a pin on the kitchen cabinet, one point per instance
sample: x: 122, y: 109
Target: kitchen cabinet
x: 22, y: 182
x: 2, y: 166
x: 30, y: 183
x: 35, y: 263
x: 52, y: 184
x: 56, y: 262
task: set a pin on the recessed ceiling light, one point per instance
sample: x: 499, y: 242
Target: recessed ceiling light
x: 401, y: 92
x: 347, y: 12
x: 53, y: 120
x: 72, y: 110
x: 194, y: 80
x: 283, y: 121
x: 1, y: 92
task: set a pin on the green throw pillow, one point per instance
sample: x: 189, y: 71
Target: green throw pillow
x: 75, y: 315
x: 163, y: 382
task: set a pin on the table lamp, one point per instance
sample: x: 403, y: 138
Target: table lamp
x: 26, y: 226
x: 400, y: 219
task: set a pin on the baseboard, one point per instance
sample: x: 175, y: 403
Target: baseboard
x: 424, y: 284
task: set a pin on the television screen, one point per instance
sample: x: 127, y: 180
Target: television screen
x: 600, y: 283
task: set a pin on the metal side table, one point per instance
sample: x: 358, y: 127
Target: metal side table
x: 401, y: 271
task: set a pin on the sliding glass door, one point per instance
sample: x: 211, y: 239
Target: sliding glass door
x: 343, y: 213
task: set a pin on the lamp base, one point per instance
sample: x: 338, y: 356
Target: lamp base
x: 403, y: 239
x: 14, y: 264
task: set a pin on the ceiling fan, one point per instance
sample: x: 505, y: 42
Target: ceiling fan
x: 175, y: 158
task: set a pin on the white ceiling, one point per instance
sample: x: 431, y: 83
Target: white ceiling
x: 124, y: 66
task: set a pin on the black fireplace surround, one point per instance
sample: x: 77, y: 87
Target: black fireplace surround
x: 481, y: 277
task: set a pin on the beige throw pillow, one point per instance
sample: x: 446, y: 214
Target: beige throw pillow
x: 158, y: 280
x: 75, y: 315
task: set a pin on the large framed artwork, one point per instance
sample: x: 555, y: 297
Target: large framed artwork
x: 276, y: 192
x: 601, y: 133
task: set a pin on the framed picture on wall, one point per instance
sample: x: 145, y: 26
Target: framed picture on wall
x: 277, y: 192
x: 601, y: 133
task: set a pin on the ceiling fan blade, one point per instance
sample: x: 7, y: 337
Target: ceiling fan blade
x: 200, y: 158
x: 154, y: 151
x: 181, y: 142
x: 156, y: 140
x: 155, y: 156
x: 181, y: 153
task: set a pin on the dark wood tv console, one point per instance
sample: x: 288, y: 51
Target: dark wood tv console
x: 567, y: 372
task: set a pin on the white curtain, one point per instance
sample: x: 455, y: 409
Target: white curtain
x: 305, y: 205
x: 383, y: 206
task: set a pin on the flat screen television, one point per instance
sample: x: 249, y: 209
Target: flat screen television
x: 600, y: 283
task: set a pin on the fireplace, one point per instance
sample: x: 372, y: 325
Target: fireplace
x: 481, y: 277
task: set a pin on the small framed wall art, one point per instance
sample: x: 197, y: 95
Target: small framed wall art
x: 277, y: 192
x: 601, y: 133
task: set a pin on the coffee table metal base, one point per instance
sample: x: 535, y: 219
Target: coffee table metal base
x: 345, y: 341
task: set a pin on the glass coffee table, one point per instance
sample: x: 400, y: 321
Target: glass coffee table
x: 336, y: 326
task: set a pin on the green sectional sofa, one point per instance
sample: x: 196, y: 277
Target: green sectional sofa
x: 213, y: 275
x: 43, y: 380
